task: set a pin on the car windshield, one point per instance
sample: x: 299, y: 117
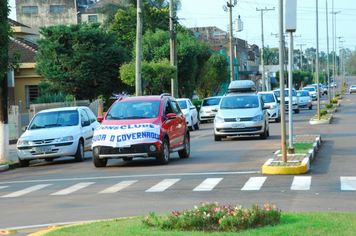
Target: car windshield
x: 309, y: 88
x: 54, y: 119
x: 134, y: 110
x: 211, y: 101
x: 239, y: 102
x: 286, y: 93
x: 182, y: 104
x: 267, y: 98
x: 302, y: 93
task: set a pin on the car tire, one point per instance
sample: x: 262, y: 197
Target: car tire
x: 186, y: 151
x: 296, y: 111
x: 264, y: 134
x: 311, y: 107
x: 163, y: 157
x: 99, y: 162
x: 217, y: 138
x: 79, y: 155
x: 24, y: 163
x: 196, y: 126
x: 127, y: 158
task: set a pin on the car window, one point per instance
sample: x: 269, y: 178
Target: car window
x: 211, y: 101
x: 91, y: 115
x: 175, y: 107
x: 84, y: 117
x: 54, y: 119
x: 133, y: 110
x: 190, y: 103
x: 234, y: 102
x: 182, y: 104
x: 266, y: 98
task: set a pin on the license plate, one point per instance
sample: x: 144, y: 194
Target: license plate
x: 43, y: 149
x: 238, y: 125
x: 126, y: 146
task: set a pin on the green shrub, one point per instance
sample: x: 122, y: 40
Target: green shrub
x: 337, y: 95
x: 323, y: 112
x: 53, y: 97
x: 210, y: 217
x: 333, y: 101
x: 329, y: 105
x: 197, y: 104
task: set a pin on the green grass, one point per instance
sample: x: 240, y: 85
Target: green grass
x: 300, y: 147
x: 324, y: 117
x: 6, y: 163
x: 291, y: 224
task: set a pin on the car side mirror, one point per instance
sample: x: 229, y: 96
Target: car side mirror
x: 171, y: 116
x: 24, y: 128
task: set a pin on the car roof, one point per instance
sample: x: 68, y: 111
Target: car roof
x: 142, y: 98
x: 61, y: 109
x: 266, y: 92
x: 182, y: 99
x: 212, y: 97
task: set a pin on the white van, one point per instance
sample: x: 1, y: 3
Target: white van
x: 295, y: 100
x: 241, y: 112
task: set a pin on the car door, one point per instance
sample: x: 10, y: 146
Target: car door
x: 87, y: 131
x: 180, y: 123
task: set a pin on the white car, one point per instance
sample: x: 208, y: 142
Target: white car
x: 57, y: 132
x: 295, y: 100
x: 208, y: 108
x: 190, y: 113
x: 305, y: 100
x: 270, y: 99
x: 312, y: 91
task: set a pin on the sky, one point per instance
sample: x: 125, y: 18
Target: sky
x: 202, y: 13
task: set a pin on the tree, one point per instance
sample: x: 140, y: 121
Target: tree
x: 213, y: 75
x: 125, y: 23
x: 4, y: 38
x: 351, y: 64
x: 110, y: 10
x: 82, y: 60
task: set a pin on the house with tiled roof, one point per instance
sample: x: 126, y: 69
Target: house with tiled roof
x: 25, y: 86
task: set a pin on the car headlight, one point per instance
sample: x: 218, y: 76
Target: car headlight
x: 309, y: 100
x: 64, y: 139
x: 257, y: 118
x: 272, y: 106
x: 21, y: 142
x: 219, y: 119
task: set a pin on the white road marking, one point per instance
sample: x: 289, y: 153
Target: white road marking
x: 27, y: 190
x: 118, y: 187
x: 1, y: 187
x: 348, y: 183
x: 134, y: 176
x: 73, y: 188
x: 347, y: 100
x: 254, y: 183
x: 301, y: 183
x: 208, y: 184
x: 163, y: 185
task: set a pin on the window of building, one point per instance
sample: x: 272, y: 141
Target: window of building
x: 32, y: 92
x: 29, y: 9
x: 93, y: 18
x: 58, y: 8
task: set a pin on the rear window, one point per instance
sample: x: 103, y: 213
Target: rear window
x: 302, y: 93
x: 266, y: 98
x: 309, y: 88
x: 211, y: 101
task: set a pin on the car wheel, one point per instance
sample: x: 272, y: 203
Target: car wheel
x: 264, y: 134
x: 296, y: 111
x: 99, y: 162
x: 196, y: 126
x: 217, y: 137
x: 79, y: 155
x: 186, y: 151
x: 164, y: 156
x: 127, y: 158
x: 278, y: 119
x: 311, y: 107
x: 24, y: 163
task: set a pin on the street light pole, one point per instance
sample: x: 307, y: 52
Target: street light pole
x: 262, y: 51
x: 317, y: 60
x: 232, y: 69
x: 327, y: 55
x: 301, y: 55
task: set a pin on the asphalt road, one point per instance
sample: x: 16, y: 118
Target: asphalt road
x: 229, y: 172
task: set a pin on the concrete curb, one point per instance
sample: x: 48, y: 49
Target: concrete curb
x: 288, y: 170
x: 9, y: 166
x: 317, y: 122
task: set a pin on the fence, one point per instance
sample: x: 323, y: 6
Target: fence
x: 17, y: 119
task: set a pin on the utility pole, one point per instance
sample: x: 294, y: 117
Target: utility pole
x: 173, y: 49
x: 338, y: 63
x: 334, y: 42
x: 317, y: 59
x: 301, y: 55
x: 138, y: 78
x: 327, y: 55
x: 262, y: 50
x: 232, y: 57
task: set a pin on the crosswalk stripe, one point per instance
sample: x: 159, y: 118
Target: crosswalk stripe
x: 301, y: 183
x: 348, y: 183
x: 208, y: 184
x: 254, y: 183
x: 1, y: 187
x: 163, y: 185
x: 73, y: 188
x: 27, y: 190
x: 118, y: 187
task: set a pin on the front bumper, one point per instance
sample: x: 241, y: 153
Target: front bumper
x: 137, y: 150
x: 239, y: 128
x: 55, y: 151
x: 272, y: 113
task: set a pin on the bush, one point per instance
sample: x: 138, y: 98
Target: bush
x: 333, y: 101
x: 323, y: 112
x: 329, y: 105
x: 337, y: 95
x: 197, y: 103
x: 211, y: 217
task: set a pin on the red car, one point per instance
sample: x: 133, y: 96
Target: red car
x: 143, y: 126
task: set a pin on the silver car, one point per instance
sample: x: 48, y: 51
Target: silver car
x: 208, y: 108
x: 305, y: 100
x: 352, y: 88
x: 241, y: 114
x: 270, y: 99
